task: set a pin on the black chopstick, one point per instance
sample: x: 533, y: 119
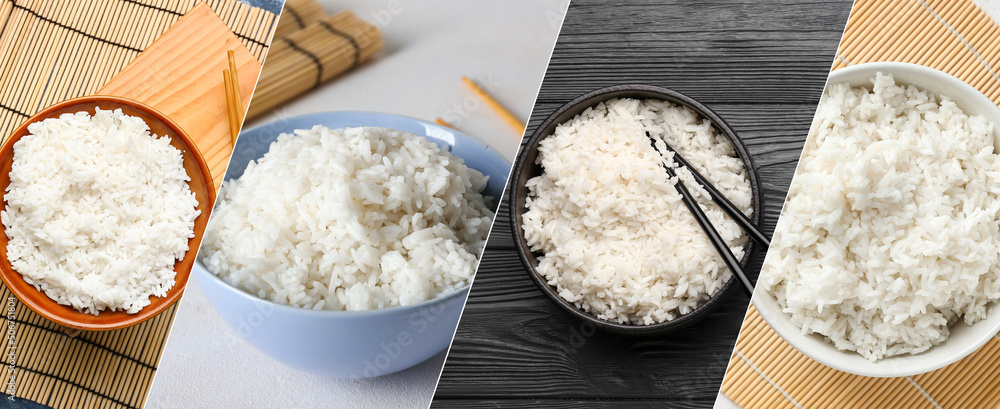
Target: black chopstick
x: 724, y: 203
x: 713, y: 235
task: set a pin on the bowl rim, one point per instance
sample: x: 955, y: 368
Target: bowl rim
x: 200, y: 270
x: 378, y: 114
x: 180, y: 281
x: 570, y: 110
x: 899, y: 365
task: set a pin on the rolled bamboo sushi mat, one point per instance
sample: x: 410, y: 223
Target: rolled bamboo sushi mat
x: 52, y: 51
x: 956, y: 37
x: 305, y: 59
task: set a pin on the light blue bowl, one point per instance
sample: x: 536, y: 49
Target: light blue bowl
x: 348, y: 344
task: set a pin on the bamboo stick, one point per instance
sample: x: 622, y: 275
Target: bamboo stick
x: 234, y: 125
x: 234, y: 76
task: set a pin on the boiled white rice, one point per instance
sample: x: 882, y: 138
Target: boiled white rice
x: 349, y: 219
x: 890, y: 232
x: 98, y: 211
x: 617, y: 240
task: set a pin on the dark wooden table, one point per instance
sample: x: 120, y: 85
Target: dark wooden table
x: 761, y: 65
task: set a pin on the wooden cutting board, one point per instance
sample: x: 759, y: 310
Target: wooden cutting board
x: 180, y: 75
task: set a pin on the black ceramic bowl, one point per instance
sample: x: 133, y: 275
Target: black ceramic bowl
x: 525, y: 168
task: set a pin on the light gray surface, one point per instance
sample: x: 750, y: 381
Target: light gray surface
x: 991, y: 7
x: 723, y: 402
x: 430, y: 44
x: 207, y: 365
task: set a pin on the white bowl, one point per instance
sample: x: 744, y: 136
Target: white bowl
x: 964, y: 339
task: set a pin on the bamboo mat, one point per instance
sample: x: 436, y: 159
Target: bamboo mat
x: 956, y: 37
x: 52, y: 51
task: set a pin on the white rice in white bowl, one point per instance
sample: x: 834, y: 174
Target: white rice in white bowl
x: 890, y: 232
x: 615, y: 237
x: 98, y: 211
x: 349, y: 219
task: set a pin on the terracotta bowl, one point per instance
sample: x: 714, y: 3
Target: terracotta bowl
x: 200, y: 184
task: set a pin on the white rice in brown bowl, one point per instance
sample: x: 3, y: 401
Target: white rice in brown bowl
x: 98, y: 211
x: 614, y: 236
x: 349, y: 219
x: 891, y: 231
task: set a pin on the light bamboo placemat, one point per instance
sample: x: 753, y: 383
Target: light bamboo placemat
x: 956, y: 37
x: 52, y: 51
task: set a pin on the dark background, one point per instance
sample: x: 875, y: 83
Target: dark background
x: 760, y: 65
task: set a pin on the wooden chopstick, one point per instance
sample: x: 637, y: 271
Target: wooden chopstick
x: 441, y: 122
x: 234, y: 124
x: 713, y: 235
x: 724, y: 203
x: 504, y: 113
x: 234, y: 75
x: 234, y: 101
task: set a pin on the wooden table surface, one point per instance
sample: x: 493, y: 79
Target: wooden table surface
x: 761, y: 65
